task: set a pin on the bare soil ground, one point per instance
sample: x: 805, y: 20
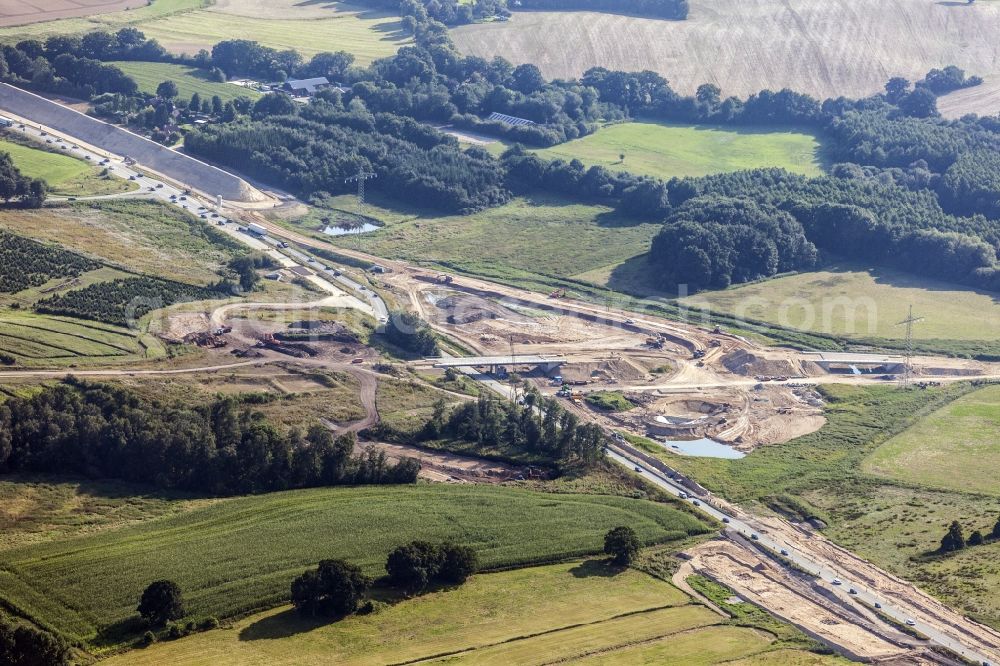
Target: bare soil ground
x: 24, y: 12
x: 797, y: 599
x: 827, y: 49
x: 449, y: 467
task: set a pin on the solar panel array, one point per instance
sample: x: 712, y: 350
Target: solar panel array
x: 510, y: 120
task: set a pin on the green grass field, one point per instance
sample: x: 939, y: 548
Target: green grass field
x: 848, y: 300
x: 534, y: 615
x: 528, y: 237
x: 189, y: 80
x: 37, y: 510
x: 241, y: 554
x: 66, y: 176
x: 365, y: 33
x: 955, y: 448
x: 665, y: 150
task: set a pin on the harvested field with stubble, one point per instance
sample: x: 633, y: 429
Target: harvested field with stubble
x: 22, y: 12
x: 827, y: 49
x: 307, y: 27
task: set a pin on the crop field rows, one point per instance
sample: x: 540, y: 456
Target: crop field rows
x: 40, y: 338
x: 240, y: 554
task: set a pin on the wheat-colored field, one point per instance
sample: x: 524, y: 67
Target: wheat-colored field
x: 822, y: 47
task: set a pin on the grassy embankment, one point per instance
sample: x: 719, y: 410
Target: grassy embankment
x: 240, y: 554
x: 895, y: 523
x: 65, y: 175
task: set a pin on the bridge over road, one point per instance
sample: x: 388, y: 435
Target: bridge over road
x: 545, y: 363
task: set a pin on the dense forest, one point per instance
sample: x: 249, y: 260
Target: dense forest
x: 715, y: 242
x: 317, y: 149
x: 221, y: 447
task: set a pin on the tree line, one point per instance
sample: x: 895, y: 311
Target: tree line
x: 29, y: 192
x: 220, y: 448
x: 337, y: 588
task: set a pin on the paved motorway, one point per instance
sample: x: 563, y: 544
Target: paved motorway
x: 787, y: 551
x: 179, y: 195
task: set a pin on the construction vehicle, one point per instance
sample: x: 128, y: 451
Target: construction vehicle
x: 444, y: 279
x: 698, y: 353
x: 558, y: 293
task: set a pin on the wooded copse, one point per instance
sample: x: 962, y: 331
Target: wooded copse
x: 539, y: 426
x: 29, y: 192
x: 221, y: 448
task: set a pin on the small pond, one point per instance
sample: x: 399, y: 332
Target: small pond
x: 703, y: 448
x: 347, y: 231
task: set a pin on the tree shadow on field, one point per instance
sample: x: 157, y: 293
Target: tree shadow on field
x: 597, y: 568
x: 282, y: 625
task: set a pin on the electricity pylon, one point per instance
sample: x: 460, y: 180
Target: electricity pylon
x: 908, y: 368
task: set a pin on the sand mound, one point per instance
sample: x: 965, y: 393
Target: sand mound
x: 742, y: 362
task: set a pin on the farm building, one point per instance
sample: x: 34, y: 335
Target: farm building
x: 306, y: 86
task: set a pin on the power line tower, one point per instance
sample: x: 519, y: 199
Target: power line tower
x: 910, y: 320
x: 360, y: 177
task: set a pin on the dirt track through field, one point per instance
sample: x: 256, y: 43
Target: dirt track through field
x: 823, y: 47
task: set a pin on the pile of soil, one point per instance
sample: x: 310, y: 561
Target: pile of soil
x: 743, y: 362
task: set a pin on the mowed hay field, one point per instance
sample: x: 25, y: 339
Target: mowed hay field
x: 853, y: 302
x: 826, y: 49
x: 66, y: 176
x: 665, y: 151
x: 955, y: 448
x: 241, y: 554
x: 527, y: 616
x: 306, y: 27
x: 20, y: 12
x: 189, y: 80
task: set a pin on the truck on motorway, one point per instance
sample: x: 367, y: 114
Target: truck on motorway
x: 256, y: 229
